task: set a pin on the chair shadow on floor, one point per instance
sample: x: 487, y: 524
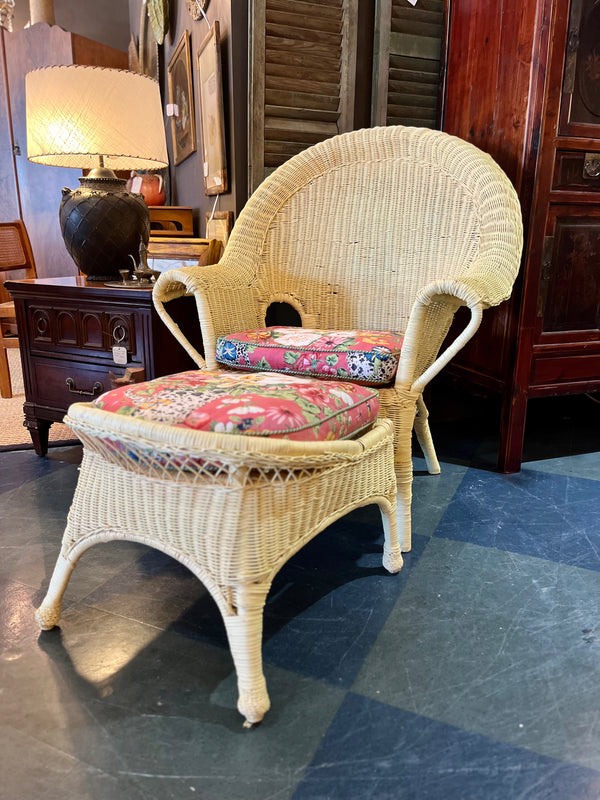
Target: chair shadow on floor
x: 308, y: 603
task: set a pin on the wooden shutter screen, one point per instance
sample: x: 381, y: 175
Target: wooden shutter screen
x: 302, y: 74
x: 406, y: 62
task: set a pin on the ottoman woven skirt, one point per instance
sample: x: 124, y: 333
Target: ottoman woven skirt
x: 231, y: 507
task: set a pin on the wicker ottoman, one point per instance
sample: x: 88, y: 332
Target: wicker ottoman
x: 233, y: 508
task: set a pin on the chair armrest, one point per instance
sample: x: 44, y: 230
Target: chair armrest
x: 429, y: 322
x: 488, y: 281
x: 490, y: 277
x: 473, y: 288
x: 225, y: 302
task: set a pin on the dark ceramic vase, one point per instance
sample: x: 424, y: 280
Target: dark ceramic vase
x: 103, y: 226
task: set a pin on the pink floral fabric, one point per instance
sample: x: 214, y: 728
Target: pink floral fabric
x: 367, y: 357
x: 251, y: 404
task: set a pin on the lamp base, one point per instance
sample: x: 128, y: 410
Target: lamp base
x: 103, y: 225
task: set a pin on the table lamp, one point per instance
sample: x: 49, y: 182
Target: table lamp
x: 103, y: 120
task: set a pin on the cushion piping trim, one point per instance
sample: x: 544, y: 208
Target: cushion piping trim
x: 322, y: 377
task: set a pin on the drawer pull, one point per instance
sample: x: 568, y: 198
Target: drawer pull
x: 97, y: 388
x: 119, y: 333
x: 591, y: 165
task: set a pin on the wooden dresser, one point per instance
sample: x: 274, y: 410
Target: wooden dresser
x: 523, y: 83
x: 67, y: 330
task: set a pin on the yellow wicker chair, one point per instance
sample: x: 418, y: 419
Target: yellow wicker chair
x: 383, y: 229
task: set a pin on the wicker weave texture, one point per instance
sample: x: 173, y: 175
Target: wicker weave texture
x: 233, y: 515
x: 12, y: 254
x: 16, y: 263
x: 352, y: 230
x: 388, y: 228
x: 385, y: 228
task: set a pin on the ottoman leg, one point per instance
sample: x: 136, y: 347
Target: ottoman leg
x: 392, y: 555
x: 48, y: 614
x: 244, y: 632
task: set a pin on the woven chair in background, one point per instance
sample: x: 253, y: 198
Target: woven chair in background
x: 382, y: 229
x: 16, y: 263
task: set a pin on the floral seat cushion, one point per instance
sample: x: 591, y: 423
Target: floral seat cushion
x: 251, y: 404
x: 367, y: 357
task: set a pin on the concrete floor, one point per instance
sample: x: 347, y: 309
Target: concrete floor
x: 473, y: 674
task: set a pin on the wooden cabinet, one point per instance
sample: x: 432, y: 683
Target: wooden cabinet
x: 32, y: 192
x: 523, y: 83
x: 67, y: 330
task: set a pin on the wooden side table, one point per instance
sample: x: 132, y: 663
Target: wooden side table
x: 68, y: 328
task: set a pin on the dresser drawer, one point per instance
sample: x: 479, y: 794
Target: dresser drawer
x: 570, y: 369
x: 93, y: 330
x: 68, y: 328
x: 58, y: 383
x: 576, y: 170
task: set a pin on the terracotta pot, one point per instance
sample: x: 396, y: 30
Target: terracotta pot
x: 149, y: 185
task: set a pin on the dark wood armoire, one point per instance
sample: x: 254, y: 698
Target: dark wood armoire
x: 523, y: 83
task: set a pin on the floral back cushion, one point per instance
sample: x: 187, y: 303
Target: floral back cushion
x: 251, y: 404
x: 367, y: 357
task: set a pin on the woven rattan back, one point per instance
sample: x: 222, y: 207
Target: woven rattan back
x: 16, y: 262
x: 349, y: 230
x: 16, y: 257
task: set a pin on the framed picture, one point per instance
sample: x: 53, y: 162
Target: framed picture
x: 183, y: 125
x: 211, y: 108
x: 219, y: 227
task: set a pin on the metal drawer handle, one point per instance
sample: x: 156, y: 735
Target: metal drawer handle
x: 591, y: 165
x: 119, y: 333
x: 97, y: 388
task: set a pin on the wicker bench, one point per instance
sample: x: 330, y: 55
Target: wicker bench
x: 233, y: 508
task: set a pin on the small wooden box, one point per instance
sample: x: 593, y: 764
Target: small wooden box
x: 171, y: 221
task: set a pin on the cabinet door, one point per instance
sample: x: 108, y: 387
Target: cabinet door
x: 569, y: 298
x: 580, y: 106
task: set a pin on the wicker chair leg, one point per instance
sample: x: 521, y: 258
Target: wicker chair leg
x: 392, y: 553
x: 424, y: 438
x: 48, y: 614
x: 244, y: 632
x: 404, y: 473
x: 404, y: 497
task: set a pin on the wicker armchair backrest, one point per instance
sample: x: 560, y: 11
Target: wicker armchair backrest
x: 349, y: 230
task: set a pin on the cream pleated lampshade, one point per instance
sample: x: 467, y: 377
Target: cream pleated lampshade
x: 77, y: 113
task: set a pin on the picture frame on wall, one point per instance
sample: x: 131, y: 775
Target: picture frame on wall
x: 211, y: 113
x: 183, y: 124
